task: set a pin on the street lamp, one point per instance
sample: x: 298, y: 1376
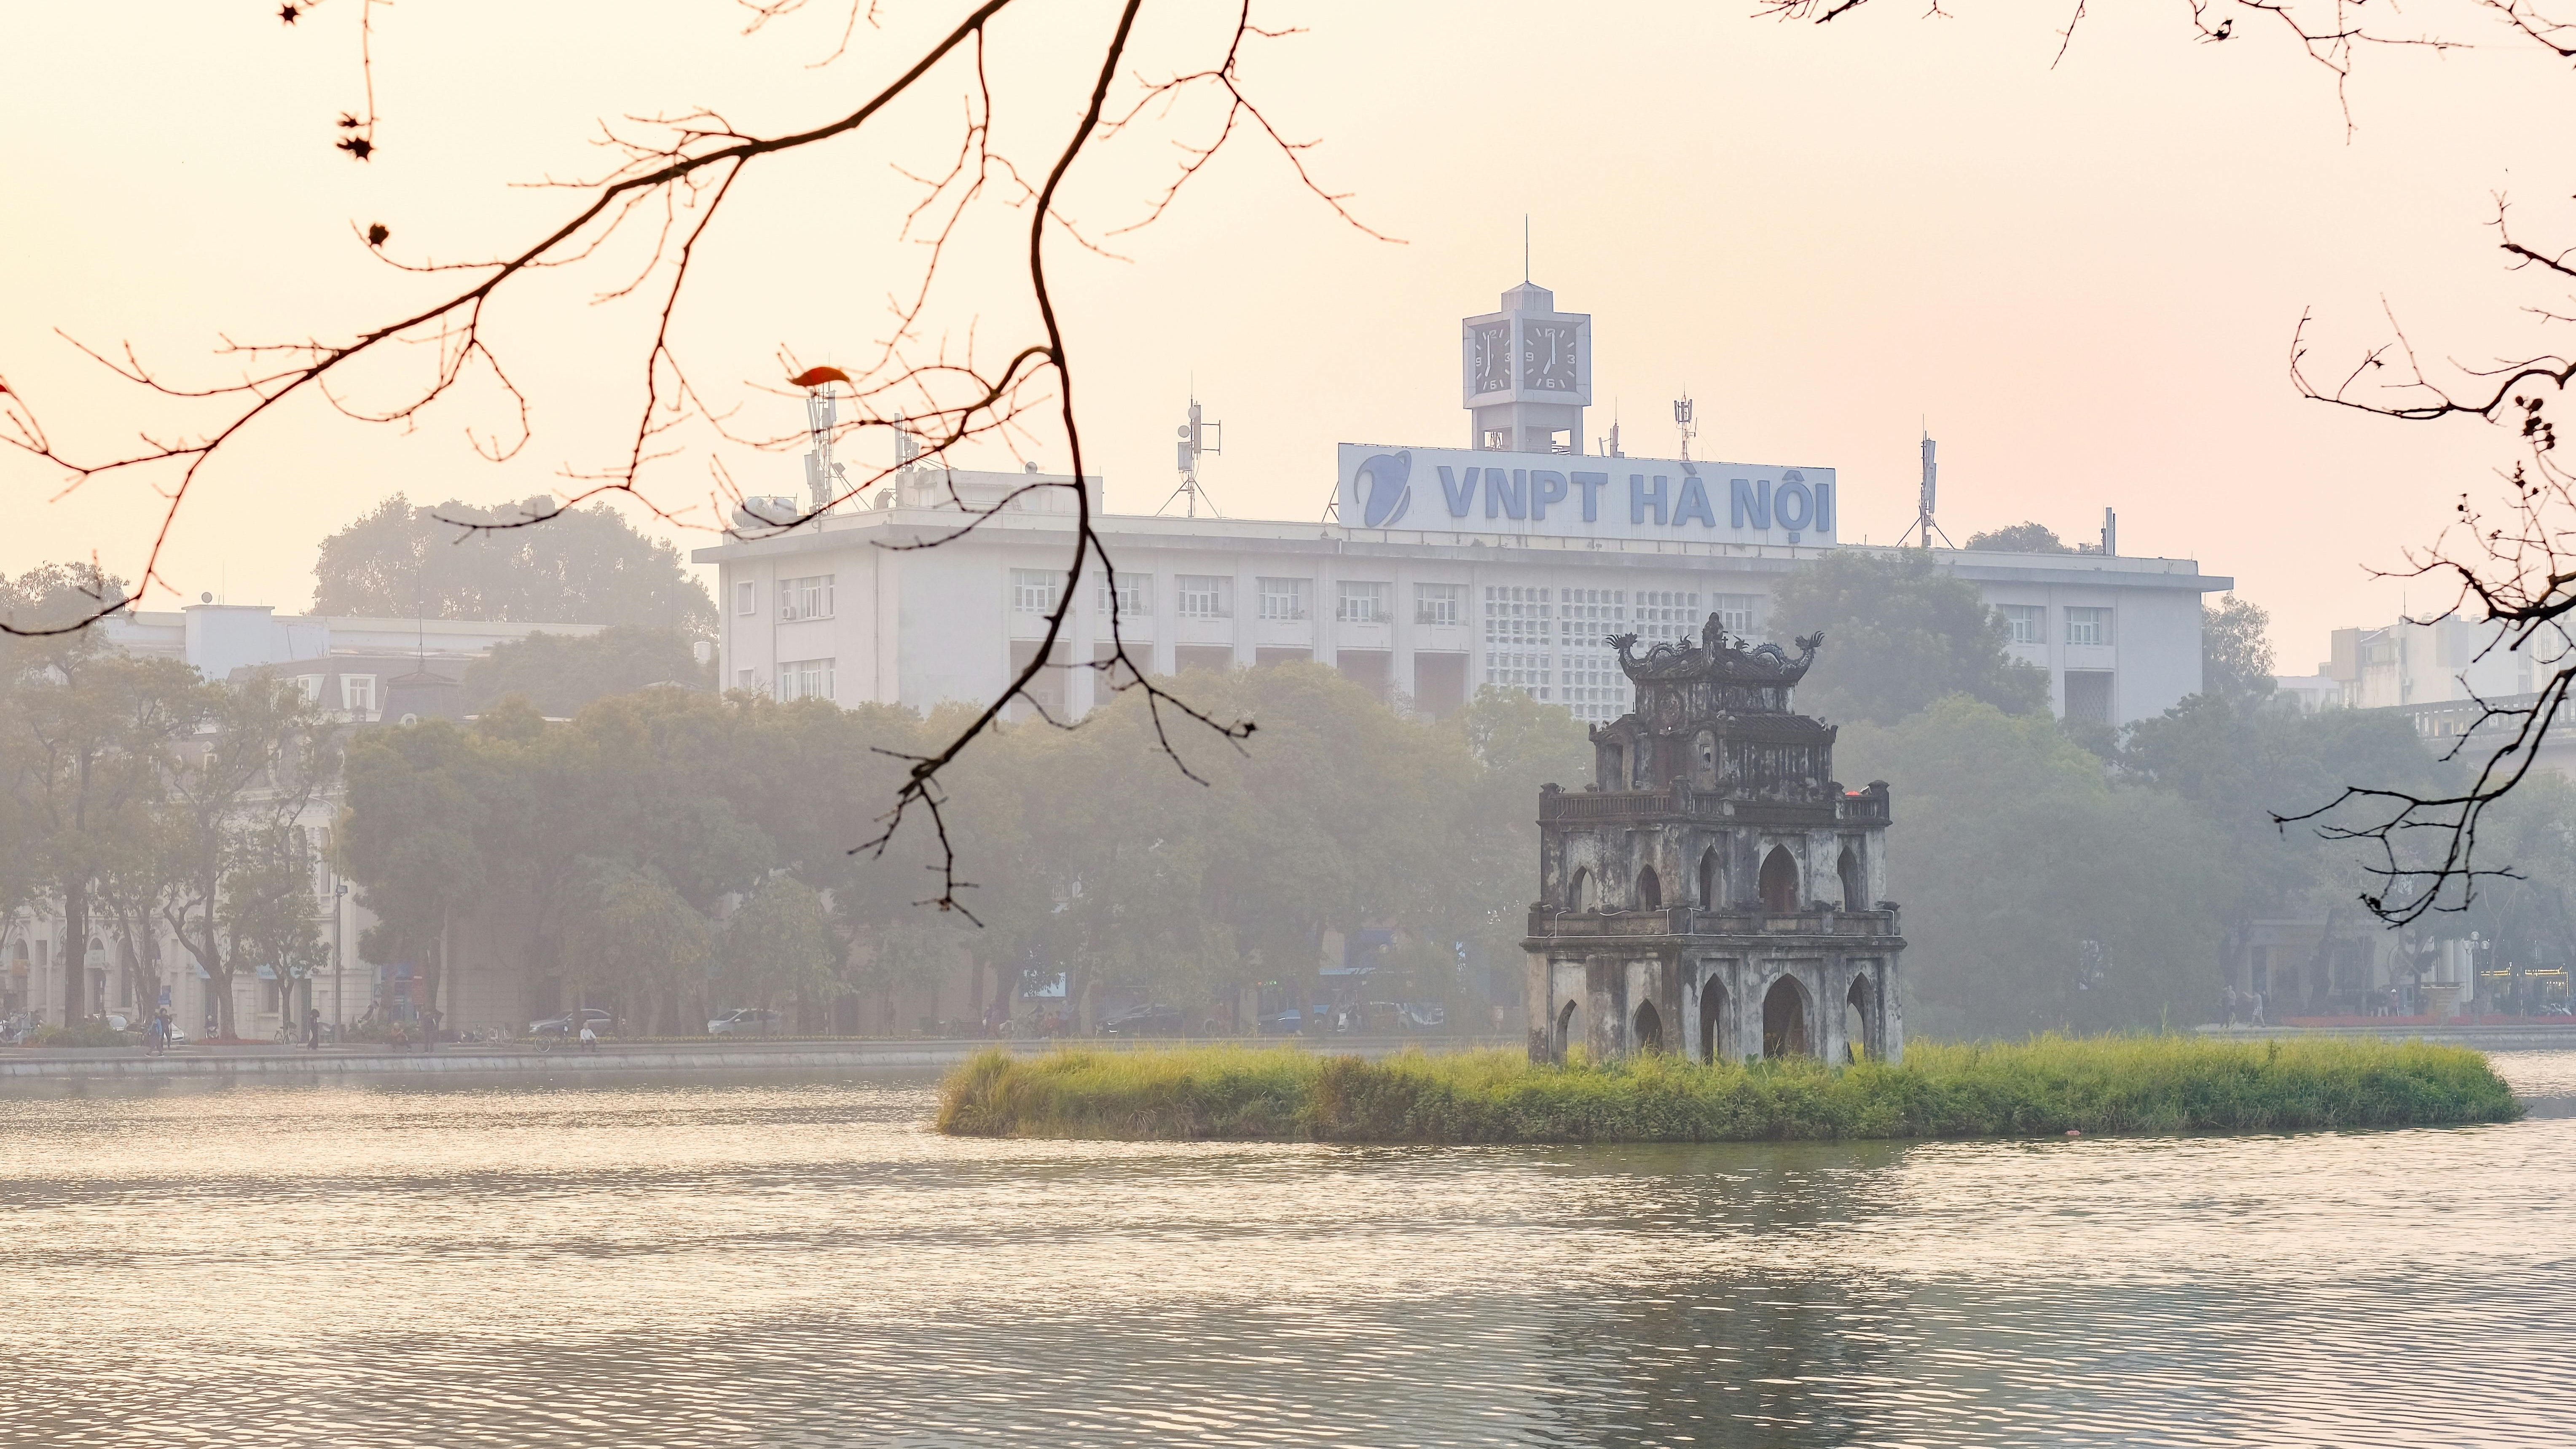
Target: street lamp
x: 339, y: 1019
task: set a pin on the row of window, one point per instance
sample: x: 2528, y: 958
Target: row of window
x: 2029, y: 624
x: 357, y: 691
x: 806, y: 598
x: 797, y: 679
x: 1211, y: 596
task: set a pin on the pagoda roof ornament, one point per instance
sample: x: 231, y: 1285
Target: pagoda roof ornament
x: 1718, y: 658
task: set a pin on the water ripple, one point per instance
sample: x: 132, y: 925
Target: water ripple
x: 757, y: 1262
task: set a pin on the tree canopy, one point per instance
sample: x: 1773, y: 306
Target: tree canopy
x: 559, y: 673
x: 2019, y: 538
x: 1899, y: 634
x: 2236, y: 649
x: 583, y: 566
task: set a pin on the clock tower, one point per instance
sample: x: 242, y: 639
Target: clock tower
x: 1526, y: 374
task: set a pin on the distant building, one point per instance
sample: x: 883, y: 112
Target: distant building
x: 1505, y: 563
x: 366, y: 671
x: 1716, y: 891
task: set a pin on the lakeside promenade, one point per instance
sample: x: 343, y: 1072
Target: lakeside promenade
x: 512, y: 1060
x: 712, y: 1055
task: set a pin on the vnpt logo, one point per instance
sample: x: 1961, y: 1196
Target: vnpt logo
x: 1383, y: 488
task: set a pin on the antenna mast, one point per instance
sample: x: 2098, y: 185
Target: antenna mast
x: 1683, y: 412
x: 823, y: 477
x: 1924, y: 527
x: 1195, y: 441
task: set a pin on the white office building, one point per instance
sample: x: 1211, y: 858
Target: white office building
x: 1506, y: 562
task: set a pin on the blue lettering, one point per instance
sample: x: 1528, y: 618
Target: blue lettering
x: 1793, y: 505
x: 1508, y: 495
x: 1460, y: 491
x: 1639, y: 496
x: 1546, y: 486
x: 1824, y: 508
x: 1747, y: 500
x: 1694, y: 501
x: 1591, y: 483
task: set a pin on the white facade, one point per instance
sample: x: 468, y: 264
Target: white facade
x: 1507, y: 563
x: 840, y: 608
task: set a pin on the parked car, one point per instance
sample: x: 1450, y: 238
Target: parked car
x: 1424, y: 1016
x: 747, y: 1021
x: 564, y: 1025
x: 1152, y: 1019
x: 1287, y: 1023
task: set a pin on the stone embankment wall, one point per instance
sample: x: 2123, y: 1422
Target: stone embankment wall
x: 809, y: 1056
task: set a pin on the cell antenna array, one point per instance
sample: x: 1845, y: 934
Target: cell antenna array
x: 1199, y: 438
x: 1924, y: 526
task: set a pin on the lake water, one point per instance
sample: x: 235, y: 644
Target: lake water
x: 765, y: 1262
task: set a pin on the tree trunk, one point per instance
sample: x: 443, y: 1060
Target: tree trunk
x: 75, y: 962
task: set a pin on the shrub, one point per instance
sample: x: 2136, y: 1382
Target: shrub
x: 2046, y: 1085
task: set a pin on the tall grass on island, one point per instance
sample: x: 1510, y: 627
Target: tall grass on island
x: 2044, y: 1086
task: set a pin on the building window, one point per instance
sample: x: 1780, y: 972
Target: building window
x: 746, y: 679
x: 806, y: 598
x: 1284, y: 599
x: 746, y: 597
x: 1364, y: 603
x: 310, y: 686
x: 1035, y: 591
x: 2088, y: 695
x: 358, y: 693
x: 1735, y: 611
x: 2028, y: 622
x: 1518, y: 615
x: 805, y: 679
x: 1437, y: 603
x: 1205, y: 596
x: 1665, y: 615
x: 2088, y: 626
x: 1135, y: 595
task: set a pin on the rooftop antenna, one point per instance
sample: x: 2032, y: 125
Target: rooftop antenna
x: 1923, y: 524
x: 1524, y: 248
x: 1196, y: 440
x: 823, y: 477
x: 1683, y: 418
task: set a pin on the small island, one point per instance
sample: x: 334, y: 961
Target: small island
x: 2048, y: 1086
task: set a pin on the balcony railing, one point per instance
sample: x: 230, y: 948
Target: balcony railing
x: 1690, y: 921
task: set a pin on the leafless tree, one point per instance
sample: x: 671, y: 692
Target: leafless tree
x: 2510, y: 565
x: 670, y: 178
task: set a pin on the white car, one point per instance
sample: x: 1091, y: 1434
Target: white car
x: 747, y: 1022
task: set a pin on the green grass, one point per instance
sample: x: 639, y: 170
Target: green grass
x: 2044, y: 1086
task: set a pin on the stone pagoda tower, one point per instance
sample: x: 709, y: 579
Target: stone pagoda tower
x: 1716, y: 892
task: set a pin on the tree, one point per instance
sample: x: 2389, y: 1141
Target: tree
x: 456, y: 561
x: 2019, y: 538
x: 260, y: 755
x: 1901, y: 634
x: 2041, y: 894
x: 559, y: 673
x: 90, y: 734
x: 2236, y: 649
x: 631, y: 934
x: 778, y: 943
x: 413, y: 837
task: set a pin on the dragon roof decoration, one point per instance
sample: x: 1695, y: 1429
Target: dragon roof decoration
x: 1717, y: 658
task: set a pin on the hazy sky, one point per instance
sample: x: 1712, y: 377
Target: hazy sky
x: 2084, y: 277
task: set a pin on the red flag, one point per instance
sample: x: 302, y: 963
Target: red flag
x: 817, y: 376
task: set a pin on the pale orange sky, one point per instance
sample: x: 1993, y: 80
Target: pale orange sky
x: 2084, y: 277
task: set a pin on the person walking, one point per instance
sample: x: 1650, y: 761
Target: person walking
x: 312, y: 1029
x: 428, y: 1030
x: 2256, y: 1009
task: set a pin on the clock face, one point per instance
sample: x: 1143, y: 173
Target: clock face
x: 1547, y: 357
x: 1490, y: 361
